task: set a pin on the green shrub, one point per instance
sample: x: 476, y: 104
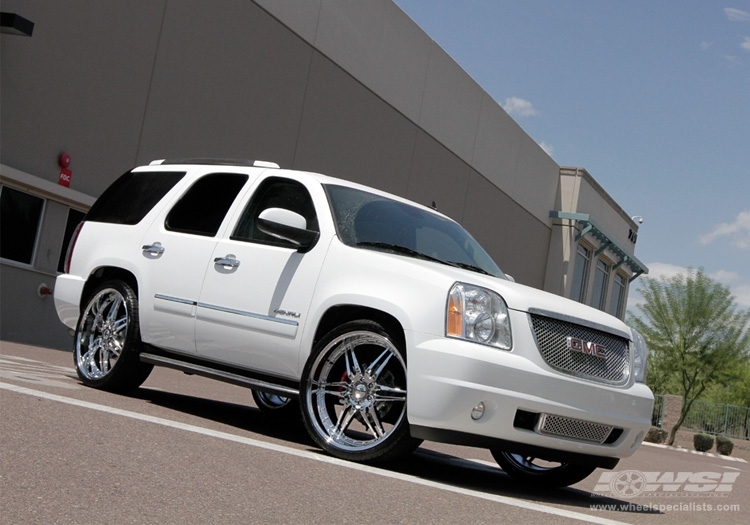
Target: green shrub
x: 724, y: 445
x: 703, y: 442
x: 656, y: 435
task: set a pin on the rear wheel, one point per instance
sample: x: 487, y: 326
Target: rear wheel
x: 275, y: 405
x: 353, y: 394
x: 108, y: 340
x: 539, y: 472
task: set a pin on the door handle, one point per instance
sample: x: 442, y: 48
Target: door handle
x: 228, y: 260
x: 154, y: 248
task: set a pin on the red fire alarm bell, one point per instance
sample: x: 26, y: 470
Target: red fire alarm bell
x: 65, y: 174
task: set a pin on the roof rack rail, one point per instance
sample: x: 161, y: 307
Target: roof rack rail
x: 217, y: 162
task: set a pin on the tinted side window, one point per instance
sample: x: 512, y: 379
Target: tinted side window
x: 132, y: 196
x: 203, y: 207
x: 275, y: 192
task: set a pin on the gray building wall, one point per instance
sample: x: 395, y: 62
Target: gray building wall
x: 351, y: 89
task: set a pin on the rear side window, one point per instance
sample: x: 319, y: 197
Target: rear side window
x: 203, y: 207
x: 132, y: 196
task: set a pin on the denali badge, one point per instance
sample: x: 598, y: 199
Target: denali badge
x: 286, y: 313
x: 586, y: 347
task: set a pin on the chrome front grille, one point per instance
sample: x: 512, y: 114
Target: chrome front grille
x: 553, y: 338
x: 576, y: 429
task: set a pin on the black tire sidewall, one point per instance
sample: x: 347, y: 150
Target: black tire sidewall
x: 562, y: 476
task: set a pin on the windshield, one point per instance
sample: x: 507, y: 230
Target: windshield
x: 373, y: 222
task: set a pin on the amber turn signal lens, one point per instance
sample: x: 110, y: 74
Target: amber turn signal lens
x: 455, y: 316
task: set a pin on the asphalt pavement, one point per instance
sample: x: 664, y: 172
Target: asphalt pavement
x: 184, y: 449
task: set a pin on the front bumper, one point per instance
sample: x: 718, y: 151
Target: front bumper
x: 448, y: 378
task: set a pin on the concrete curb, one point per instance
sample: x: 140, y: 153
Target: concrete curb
x: 707, y: 454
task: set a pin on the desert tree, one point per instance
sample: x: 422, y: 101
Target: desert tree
x: 696, y: 333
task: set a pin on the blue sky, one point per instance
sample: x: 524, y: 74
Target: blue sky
x: 652, y: 97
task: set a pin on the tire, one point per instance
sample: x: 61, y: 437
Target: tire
x: 108, y: 340
x: 539, y: 472
x: 353, y: 395
x: 275, y: 405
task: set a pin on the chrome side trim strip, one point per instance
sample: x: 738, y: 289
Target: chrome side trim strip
x: 175, y: 299
x: 226, y: 310
x: 248, y: 314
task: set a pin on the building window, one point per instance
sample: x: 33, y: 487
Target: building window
x: 74, y: 218
x: 583, y: 259
x: 617, y: 302
x: 601, y: 281
x: 20, y: 217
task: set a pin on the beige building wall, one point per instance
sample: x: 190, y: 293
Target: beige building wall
x: 351, y: 89
x: 611, y: 240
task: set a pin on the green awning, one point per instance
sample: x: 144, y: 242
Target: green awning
x: 607, y: 241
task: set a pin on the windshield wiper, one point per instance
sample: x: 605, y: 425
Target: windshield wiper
x: 408, y: 251
x: 397, y: 248
x: 471, y: 267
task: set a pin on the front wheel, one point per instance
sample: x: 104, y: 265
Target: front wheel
x: 108, y: 340
x: 539, y: 472
x: 353, y: 394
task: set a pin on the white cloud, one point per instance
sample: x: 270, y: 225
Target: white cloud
x: 520, y: 107
x: 658, y: 270
x: 731, y: 60
x: 736, y: 15
x: 705, y: 46
x: 746, y: 44
x: 742, y: 295
x: 738, y: 231
x: 547, y: 148
x: 726, y: 277
x: 736, y: 283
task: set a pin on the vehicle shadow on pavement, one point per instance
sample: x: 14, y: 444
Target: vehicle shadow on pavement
x: 467, y: 474
x: 240, y: 416
x: 423, y: 463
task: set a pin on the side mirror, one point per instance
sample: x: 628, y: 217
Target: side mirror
x: 289, y: 226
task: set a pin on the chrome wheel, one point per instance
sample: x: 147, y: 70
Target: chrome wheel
x: 354, y: 394
x: 108, y: 342
x: 276, y: 405
x: 101, y: 334
x: 545, y: 473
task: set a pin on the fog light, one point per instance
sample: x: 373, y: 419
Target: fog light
x: 478, y: 411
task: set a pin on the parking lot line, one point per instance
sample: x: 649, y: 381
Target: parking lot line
x: 313, y: 456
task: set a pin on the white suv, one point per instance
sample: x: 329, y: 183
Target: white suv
x: 382, y: 321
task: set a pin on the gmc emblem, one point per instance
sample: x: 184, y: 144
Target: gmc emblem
x: 586, y: 347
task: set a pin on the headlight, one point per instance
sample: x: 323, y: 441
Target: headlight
x: 479, y: 315
x: 640, y: 356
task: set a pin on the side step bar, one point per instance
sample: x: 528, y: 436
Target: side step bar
x: 221, y: 375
